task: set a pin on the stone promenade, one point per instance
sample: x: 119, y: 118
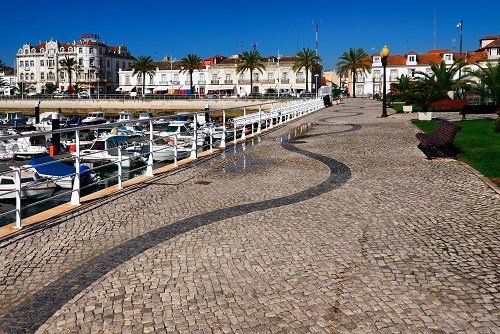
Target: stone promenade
x: 345, y: 229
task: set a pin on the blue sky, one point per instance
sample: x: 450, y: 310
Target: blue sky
x: 157, y: 28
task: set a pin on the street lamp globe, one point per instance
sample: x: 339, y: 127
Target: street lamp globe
x: 385, y: 51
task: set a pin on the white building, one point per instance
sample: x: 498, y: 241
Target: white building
x: 8, y: 76
x: 219, y: 76
x: 98, y: 64
x: 412, y: 62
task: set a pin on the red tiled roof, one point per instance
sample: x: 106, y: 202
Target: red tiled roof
x: 396, y: 60
x: 439, y: 51
x: 490, y: 37
x: 429, y: 58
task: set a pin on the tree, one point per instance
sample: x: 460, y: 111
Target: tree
x: 189, y: 64
x: 250, y: 60
x: 443, y: 76
x: 69, y: 65
x: 309, y: 60
x: 23, y: 87
x: 425, y: 91
x: 49, y: 88
x: 401, y: 88
x: 144, y: 65
x: 489, y: 82
x: 355, y: 61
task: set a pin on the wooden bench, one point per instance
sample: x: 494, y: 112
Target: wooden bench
x: 464, y: 107
x: 439, y: 142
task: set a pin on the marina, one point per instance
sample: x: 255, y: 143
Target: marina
x: 114, y: 152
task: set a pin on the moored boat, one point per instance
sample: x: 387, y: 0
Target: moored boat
x: 32, y: 186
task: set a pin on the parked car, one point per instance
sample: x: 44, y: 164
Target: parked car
x: 212, y: 96
x: 307, y: 94
x: 255, y: 95
x: 83, y: 95
x: 61, y: 95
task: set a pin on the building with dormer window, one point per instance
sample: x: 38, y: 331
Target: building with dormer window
x: 98, y: 64
x: 413, y: 63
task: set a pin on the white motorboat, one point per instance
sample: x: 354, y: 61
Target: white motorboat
x: 33, y: 145
x: 62, y: 174
x: 32, y: 186
x: 105, y: 150
x: 4, y: 153
x: 15, y: 119
x: 94, y: 117
x: 164, y: 149
x: 125, y: 116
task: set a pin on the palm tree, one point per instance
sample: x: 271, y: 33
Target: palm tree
x: 309, y: 60
x: 443, y: 76
x: 401, y: 88
x: 489, y: 81
x: 250, y: 60
x: 354, y: 61
x: 189, y: 64
x: 425, y: 91
x: 23, y: 87
x: 69, y: 65
x: 144, y: 65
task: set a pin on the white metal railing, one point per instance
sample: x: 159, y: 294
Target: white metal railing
x: 267, y: 116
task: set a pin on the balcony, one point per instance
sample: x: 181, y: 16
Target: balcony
x: 214, y: 82
x: 202, y: 82
x: 300, y: 80
x: 228, y: 81
x: 285, y: 81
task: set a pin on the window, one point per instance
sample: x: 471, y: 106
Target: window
x: 91, y: 50
x: 376, y: 59
x: 80, y: 61
x: 176, y: 79
x: 42, y: 62
x: 163, y: 79
x: 270, y: 77
x: 376, y: 75
x: 123, y: 64
x: 80, y: 50
x: 32, y: 63
x: 117, y: 65
x: 22, y: 77
x: 108, y: 63
x: 228, y: 78
x: 151, y: 80
x: 411, y: 72
x: 108, y: 75
x: 215, y: 79
x: 256, y: 77
x: 394, y: 74
x: 242, y: 76
x: 21, y: 63
x: 32, y: 76
x: 202, y: 78
x: 411, y: 58
x: 51, y: 76
x: 42, y: 76
x: 91, y: 61
x: 447, y: 57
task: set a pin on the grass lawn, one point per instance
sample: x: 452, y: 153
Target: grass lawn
x: 478, y: 144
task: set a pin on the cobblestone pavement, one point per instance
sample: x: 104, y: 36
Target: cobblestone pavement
x: 348, y: 229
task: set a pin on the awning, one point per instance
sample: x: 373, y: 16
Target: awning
x: 276, y: 86
x: 219, y: 87
x: 161, y: 88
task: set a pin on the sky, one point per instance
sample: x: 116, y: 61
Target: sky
x: 207, y: 28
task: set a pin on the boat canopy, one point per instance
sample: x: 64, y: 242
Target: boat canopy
x: 49, y: 166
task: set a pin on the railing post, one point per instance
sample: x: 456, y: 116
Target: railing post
x: 211, y: 140
x: 243, y: 132
x: 259, y: 126
x: 120, y: 170
x: 175, y: 150
x: 75, y: 194
x: 149, y: 169
x: 17, y: 180
x: 223, y: 138
x: 194, y: 146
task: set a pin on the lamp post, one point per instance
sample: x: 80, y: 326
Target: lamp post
x: 384, y: 54
x: 316, y: 87
x: 98, y: 79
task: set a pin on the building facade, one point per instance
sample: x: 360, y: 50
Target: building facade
x: 219, y: 76
x: 413, y: 63
x: 8, y: 77
x: 98, y: 64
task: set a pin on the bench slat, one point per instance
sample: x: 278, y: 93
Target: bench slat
x: 442, y: 136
